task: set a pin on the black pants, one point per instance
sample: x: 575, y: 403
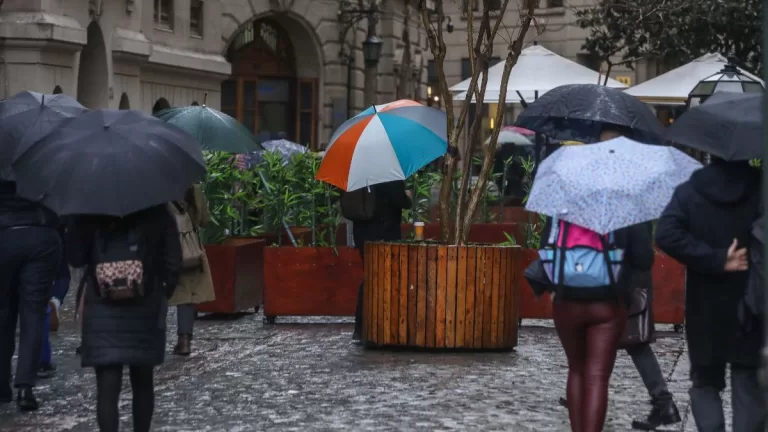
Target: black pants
x: 747, y: 398
x: 29, y: 259
x: 109, y: 381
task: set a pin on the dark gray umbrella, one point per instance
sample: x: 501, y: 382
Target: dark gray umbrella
x: 578, y: 112
x: 727, y: 125
x: 26, y: 118
x: 109, y: 162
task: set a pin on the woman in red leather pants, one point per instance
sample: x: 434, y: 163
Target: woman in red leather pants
x: 590, y: 331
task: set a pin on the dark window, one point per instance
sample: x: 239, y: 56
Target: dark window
x: 196, y: 17
x: 494, y: 5
x: 163, y: 15
x: 588, y: 60
x: 555, y: 3
x: 431, y: 71
x: 466, y: 68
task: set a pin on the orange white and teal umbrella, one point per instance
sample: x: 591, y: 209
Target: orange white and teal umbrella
x: 384, y: 143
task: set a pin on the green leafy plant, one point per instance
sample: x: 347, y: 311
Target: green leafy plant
x: 232, y: 196
x: 421, y: 184
x: 536, y: 222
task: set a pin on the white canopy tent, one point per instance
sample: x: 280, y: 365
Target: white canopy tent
x: 673, y: 87
x: 537, y: 70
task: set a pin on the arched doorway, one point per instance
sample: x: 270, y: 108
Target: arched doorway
x: 93, y: 75
x: 274, y: 85
x: 125, y: 104
x: 57, y: 90
x: 160, y: 105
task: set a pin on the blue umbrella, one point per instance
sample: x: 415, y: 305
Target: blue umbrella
x: 610, y: 185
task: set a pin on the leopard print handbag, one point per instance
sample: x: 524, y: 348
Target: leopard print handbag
x: 121, y: 280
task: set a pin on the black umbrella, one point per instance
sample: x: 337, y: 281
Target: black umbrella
x: 109, y: 162
x: 26, y: 118
x: 727, y: 125
x: 578, y: 112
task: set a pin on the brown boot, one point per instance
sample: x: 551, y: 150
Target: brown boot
x: 184, y: 345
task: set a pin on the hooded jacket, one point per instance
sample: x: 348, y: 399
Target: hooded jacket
x: 717, y: 205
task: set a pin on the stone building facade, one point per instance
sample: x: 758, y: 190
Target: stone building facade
x: 276, y: 65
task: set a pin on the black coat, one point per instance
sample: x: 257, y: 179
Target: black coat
x: 717, y: 205
x: 391, y: 200
x: 128, y: 333
x: 637, y: 242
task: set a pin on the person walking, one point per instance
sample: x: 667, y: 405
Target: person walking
x: 29, y: 259
x: 60, y: 288
x: 664, y: 411
x: 195, y: 284
x: 706, y: 226
x: 390, y: 199
x: 590, y: 328
x: 132, y: 268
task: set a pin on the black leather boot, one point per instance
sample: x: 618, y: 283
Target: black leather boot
x: 26, y: 399
x: 184, y: 345
x: 662, y: 414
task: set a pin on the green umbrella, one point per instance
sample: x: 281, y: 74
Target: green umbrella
x: 214, y: 130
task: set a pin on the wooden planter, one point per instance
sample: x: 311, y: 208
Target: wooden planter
x: 238, y: 275
x: 532, y: 307
x: 311, y: 281
x: 668, y: 291
x: 442, y: 297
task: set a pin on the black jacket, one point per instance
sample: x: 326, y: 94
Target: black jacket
x: 16, y: 211
x: 717, y: 205
x: 637, y: 242
x: 391, y: 200
x: 128, y: 333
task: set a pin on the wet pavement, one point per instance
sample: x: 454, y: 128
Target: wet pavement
x: 303, y: 374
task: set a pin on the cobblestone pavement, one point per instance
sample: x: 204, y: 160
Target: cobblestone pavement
x: 305, y: 375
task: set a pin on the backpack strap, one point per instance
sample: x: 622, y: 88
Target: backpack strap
x: 554, y: 231
x: 607, y: 256
x: 561, y: 266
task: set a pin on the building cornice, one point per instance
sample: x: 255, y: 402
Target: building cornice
x: 30, y: 29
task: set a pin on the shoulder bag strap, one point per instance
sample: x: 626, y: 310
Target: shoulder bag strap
x: 561, y: 266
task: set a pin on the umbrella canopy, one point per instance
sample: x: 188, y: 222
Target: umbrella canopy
x: 521, y: 131
x: 727, y: 125
x: 109, y: 162
x: 214, y: 130
x: 384, y: 143
x: 285, y: 148
x: 568, y: 108
x: 673, y: 87
x: 610, y: 185
x: 507, y: 136
x: 26, y: 118
x: 537, y: 70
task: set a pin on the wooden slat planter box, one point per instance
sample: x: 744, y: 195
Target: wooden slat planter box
x: 441, y: 297
x: 311, y: 281
x: 238, y: 275
x: 668, y: 292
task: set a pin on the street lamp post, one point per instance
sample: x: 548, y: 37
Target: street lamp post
x: 350, y: 14
x: 729, y: 79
